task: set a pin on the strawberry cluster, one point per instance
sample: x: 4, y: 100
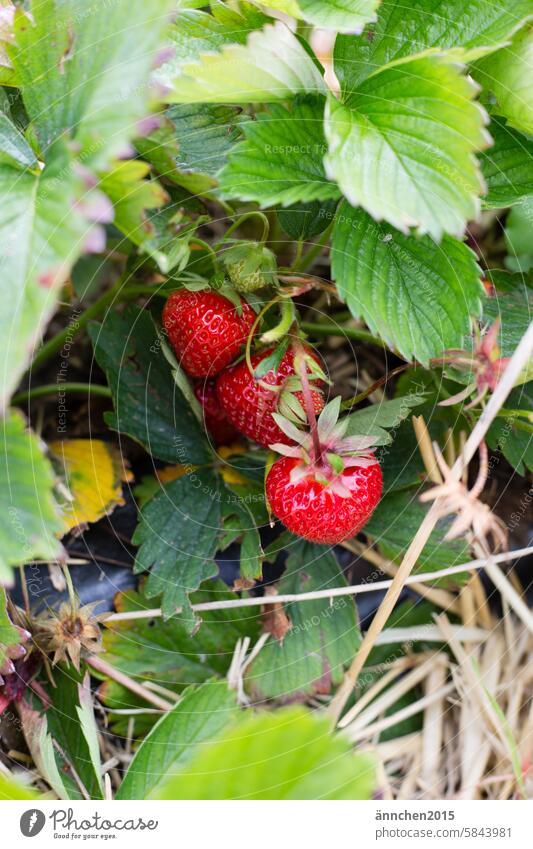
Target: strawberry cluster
x: 325, y: 485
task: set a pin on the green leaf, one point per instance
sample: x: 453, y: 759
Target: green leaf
x: 514, y: 309
x: 378, y: 419
x: 401, y: 462
x: 241, y: 524
x: 34, y: 725
x: 476, y: 27
x: 161, y: 650
x: 149, y: 407
x: 72, y: 724
x: 507, y: 166
x: 193, y: 144
x: 305, y: 220
x: 324, y: 635
x: 178, y: 533
x: 30, y: 516
x: 507, y: 74
x: 46, y: 222
x: 505, y: 281
x: 280, y: 160
x: 417, y: 295
x: 339, y: 15
x: 271, y: 66
x: 517, y: 448
x: 14, y: 149
x: 11, y: 789
x: 394, y: 146
x: 86, y: 74
x: 9, y: 635
x: 519, y: 235
x: 289, y: 754
x: 515, y: 443
x: 178, y: 736
x: 273, y: 360
x: 91, y: 274
x: 195, y: 32
x: 393, y: 525
x: 131, y: 195
x: 170, y: 231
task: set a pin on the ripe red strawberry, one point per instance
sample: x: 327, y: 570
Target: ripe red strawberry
x: 215, y: 419
x: 313, y: 510
x: 249, y: 403
x: 330, y: 498
x: 205, y: 330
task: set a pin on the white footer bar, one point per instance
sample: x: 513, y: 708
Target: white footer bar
x: 268, y: 825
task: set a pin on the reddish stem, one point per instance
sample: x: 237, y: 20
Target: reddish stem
x: 347, y: 405
x: 308, y: 399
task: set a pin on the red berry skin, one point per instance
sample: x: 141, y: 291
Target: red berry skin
x: 205, y: 330
x: 312, y: 510
x: 215, y: 419
x: 249, y: 406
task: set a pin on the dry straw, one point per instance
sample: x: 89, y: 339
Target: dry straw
x: 518, y: 361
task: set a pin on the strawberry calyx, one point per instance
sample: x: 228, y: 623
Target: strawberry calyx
x: 335, y: 455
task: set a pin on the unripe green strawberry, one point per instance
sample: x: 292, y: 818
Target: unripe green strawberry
x: 243, y: 281
x: 249, y: 266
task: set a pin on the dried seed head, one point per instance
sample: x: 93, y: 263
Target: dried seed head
x: 68, y: 632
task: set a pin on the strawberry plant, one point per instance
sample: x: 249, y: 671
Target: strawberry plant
x: 266, y: 395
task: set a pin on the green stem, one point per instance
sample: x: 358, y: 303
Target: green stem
x: 255, y: 325
x: 298, y: 254
x: 253, y: 213
x: 352, y: 402
x: 70, y: 586
x: 119, y: 293
x: 304, y: 30
x: 284, y: 325
x: 307, y: 260
x: 53, y: 388
x: 208, y: 248
x: 506, y: 413
x: 346, y: 332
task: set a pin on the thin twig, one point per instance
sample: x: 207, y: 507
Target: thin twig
x: 399, y: 716
x: 429, y: 633
x: 508, y: 592
x: 436, y: 595
x: 333, y: 592
x: 121, y: 678
x: 355, y: 719
x: 426, y: 449
x: 108, y: 790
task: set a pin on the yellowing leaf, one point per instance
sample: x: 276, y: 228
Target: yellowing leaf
x: 93, y: 472
x: 172, y: 473
x: 229, y: 474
